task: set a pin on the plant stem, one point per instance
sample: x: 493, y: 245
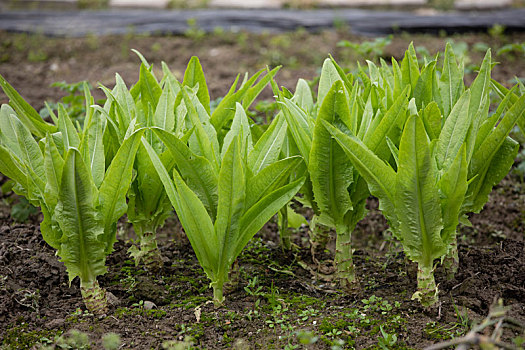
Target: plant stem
x: 343, y: 256
x: 148, y: 252
x: 319, y: 236
x: 284, y: 232
x: 451, y: 260
x: 427, y: 291
x: 218, y: 298
x: 94, y: 297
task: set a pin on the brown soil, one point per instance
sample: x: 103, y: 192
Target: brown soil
x: 37, y: 304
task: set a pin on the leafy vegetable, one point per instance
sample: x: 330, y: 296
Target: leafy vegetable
x: 335, y: 190
x: 450, y: 156
x: 222, y: 201
x: 64, y: 173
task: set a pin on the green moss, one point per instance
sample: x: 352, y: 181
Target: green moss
x: 301, y: 302
x: 20, y: 337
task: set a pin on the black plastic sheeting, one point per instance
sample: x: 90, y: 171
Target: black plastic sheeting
x: 365, y: 22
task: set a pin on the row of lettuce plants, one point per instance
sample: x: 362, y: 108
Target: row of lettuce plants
x: 427, y: 146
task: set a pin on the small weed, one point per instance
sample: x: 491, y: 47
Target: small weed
x: 497, y: 31
x: 21, y: 211
x: 370, y: 50
x: 387, y: 341
x: 73, y: 102
x: 252, y: 288
x: 193, y: 31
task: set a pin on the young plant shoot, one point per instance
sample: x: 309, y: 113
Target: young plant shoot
x: 65, y: 175
x: 223, y: 194
x: 450, y: 155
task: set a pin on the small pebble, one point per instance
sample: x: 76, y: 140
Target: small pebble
x: 148, y: 305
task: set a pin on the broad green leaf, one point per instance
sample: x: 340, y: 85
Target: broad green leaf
x: 394, y: 118
x: 92, y: 148
x: 150, y: 90
x: 423, y: 90
x: 240, y: 126
x: 495, y: 169
x: 116, y: 112
x: 417, y: 198
x: 8, y: 130
x: 169, y: 79
x: 380, y: 177
x: 54, y: 164
x: 329, y: 75
x: 488, y: 125
x: 432, y: 119
x: 303, y: 96
x: 194, y: 76
x: 232, y: 195
x: 451, y: 81
x: 18, y: 139
x: 504, y: 92
x: 82, y: 248
x: 66, y: 127
x: 27, y: 114
x: 147, y: 202
x: 11, y: 167
x: 198, y: 226
x: 112, y: 192
x: 255, y: 217
x: 347, y: 79
x: 410, y: 68
x: 398, y: 79
x: 295, y: 220
x: 454, y: 132
x: 124, y: 99
x: 205, y: 145
x: 298, y: 126
x: 479, y: 102
x: 196, y: 171
x: 164, y: 116
x: 222, y: 114
x: 495, y: 139
x: 266, y: 150
x: 453, y: 187
x: 270, y: 178
x: 329, y: 168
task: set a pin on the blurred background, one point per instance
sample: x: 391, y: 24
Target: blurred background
x: 48, y: 46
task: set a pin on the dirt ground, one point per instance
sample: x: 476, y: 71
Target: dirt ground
x: 276, y: 300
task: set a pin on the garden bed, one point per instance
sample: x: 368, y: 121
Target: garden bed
x: 275, y: 299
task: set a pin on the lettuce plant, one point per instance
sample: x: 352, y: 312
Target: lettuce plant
x: 160, y: 104
x: 66, y: 176
x: 451, y: 153
x: 224, y: 189
x: 147, y: 103
x: 334, y: 189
